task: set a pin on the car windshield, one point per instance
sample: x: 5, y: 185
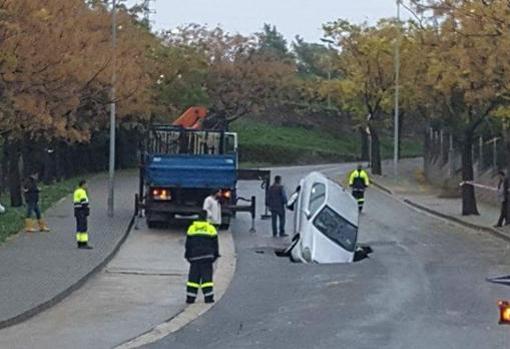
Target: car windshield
x: 336, y: 228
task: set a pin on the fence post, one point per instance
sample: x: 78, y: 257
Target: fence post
x: 441, y: 147
x: 495, y: 154
x: 450, y: 157
x: 480, y: 155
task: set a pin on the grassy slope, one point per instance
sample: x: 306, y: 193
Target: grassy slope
x: 12, y: 221
x: 268, y: 144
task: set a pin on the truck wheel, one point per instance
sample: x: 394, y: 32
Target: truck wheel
x: 151, y: 224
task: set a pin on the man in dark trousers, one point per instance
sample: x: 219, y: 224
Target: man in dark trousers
x: 503, y: 198
x: 276, y: 201
x: 31, y: 191
x: 359, y: 181
x: 81, y: 212
x: 201, y: 252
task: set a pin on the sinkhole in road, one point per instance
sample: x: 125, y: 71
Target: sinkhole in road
x: 362, y: 252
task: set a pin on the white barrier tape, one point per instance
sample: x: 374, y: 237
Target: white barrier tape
x: 477, y: 185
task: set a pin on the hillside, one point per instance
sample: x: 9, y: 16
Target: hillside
x: 263, y: 143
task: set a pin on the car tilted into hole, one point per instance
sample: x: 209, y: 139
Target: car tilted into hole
x: 325, y: 221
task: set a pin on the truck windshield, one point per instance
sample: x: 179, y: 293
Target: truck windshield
x: 336, y: 228
x: 176, y: 141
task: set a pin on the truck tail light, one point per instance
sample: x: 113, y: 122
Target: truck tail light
x: 161, y: 194
x: 504, y: 312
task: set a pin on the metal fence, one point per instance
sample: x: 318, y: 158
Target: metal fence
x: 443, y: 149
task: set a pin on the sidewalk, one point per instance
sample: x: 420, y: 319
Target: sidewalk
x: 38, y: 270
x: 409, y: 188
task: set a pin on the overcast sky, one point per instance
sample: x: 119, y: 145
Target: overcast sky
x: 291, y: 17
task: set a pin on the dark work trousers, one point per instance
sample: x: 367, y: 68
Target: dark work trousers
x: 82, y: 236
x: 503, y: 214
x: 275, y: 216
x: 200, y: 276
x: 81, y: 223
x: 359, y: 195
x: 33, y: 207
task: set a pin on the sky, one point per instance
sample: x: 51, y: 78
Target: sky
x: 291, y: 17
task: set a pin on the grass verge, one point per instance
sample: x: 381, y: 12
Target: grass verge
x: 266, y: 144
x: 12, y: 221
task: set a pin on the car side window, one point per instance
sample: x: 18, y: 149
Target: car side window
x: 317, y: 197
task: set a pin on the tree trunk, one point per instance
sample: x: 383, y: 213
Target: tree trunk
x: 13, y: 149
x: 5, y: 168
x: 506, y: 140
x: 364, y: 144
x: 468, y: 191
x: 376, y: 152
x: 59, y: 162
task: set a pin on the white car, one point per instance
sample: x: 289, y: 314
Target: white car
x: 325, y: 221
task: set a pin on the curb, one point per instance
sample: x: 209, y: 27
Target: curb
x: 493, y: 231
x: 223, y: 277
x: 381, y: 187
x: 63, y: 294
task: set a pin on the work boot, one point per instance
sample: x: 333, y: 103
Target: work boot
x: 85, y: 246
x: 209, y: 300
x: 190, y: 300
x: 29, y: 225
x: 43, y: 226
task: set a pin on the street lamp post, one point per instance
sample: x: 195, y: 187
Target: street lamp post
x: 111, y: 167
x: 397, y: 94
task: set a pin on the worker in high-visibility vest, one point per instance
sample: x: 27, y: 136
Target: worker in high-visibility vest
x: 201, y: 252
x: 81, y: 212
x: 359, y: 181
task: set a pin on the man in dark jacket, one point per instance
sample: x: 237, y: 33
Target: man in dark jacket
x: 201, y: 252
x: 276, y: 201
x: 31, y: 191
x: 503, y: 198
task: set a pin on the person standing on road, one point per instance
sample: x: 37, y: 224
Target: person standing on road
x: 201, y: 251
x: 31, y: 191
x: 213, y: 207
x: 276, y: 202
x: 359, y: 181
x: 81, y: 212
x: 503, y: 198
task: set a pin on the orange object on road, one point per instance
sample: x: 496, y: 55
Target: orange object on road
x: 504, y: 312
x: 192, y: 118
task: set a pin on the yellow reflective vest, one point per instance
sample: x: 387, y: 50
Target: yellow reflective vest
x: 359, y: 179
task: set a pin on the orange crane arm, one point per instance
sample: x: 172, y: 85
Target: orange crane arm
x: 191, y: 118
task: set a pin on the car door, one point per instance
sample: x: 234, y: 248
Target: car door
x: 294, y: 205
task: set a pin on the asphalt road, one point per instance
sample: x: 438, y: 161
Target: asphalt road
x: 423, y: 287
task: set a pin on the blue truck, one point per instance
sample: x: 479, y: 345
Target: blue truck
x: 180, y: 167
